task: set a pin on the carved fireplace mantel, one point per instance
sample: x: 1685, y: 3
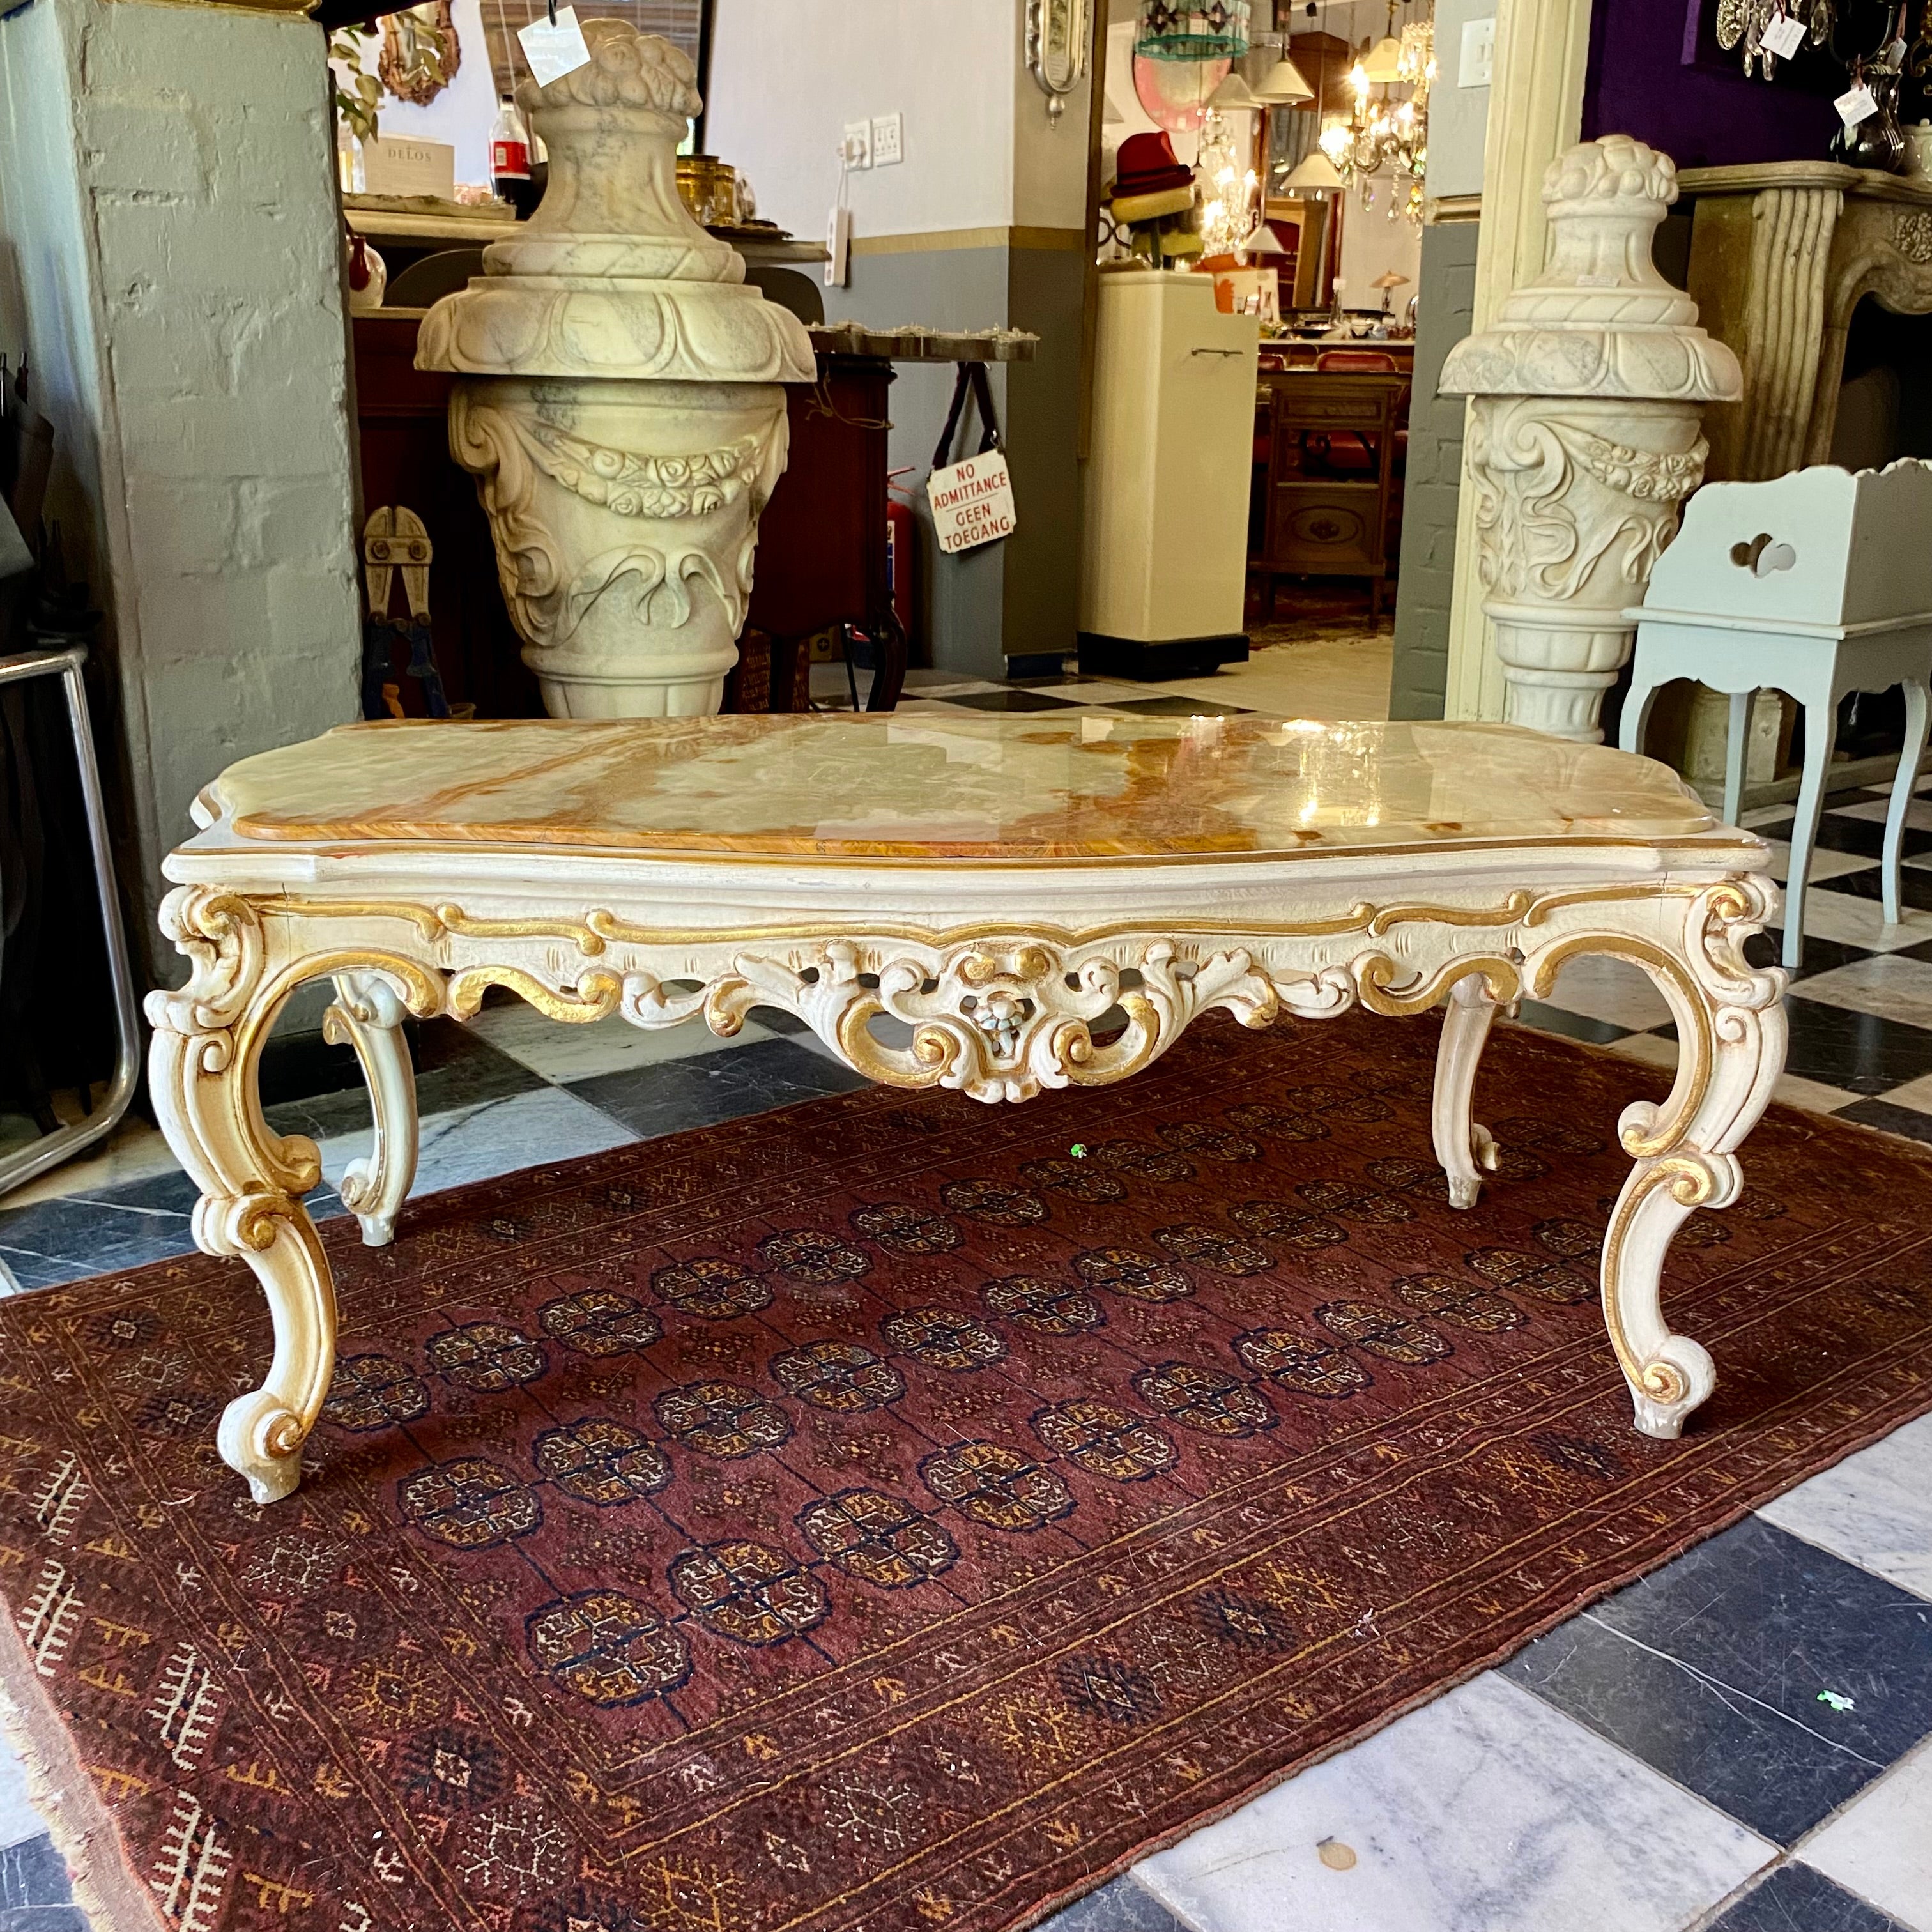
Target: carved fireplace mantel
x: 1780, y: 255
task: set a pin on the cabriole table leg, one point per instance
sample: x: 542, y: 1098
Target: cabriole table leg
x: 367, y: 1015
x: 1731, y: 1043
x: 203, y: 1068
x: 1463, y: 1147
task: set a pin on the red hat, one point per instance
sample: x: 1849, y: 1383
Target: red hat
x: 1147, y: 165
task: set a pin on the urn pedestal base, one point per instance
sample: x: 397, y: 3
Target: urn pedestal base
x: 1587, y: 396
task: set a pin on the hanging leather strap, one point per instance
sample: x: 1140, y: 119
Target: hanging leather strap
x: 971, y: 375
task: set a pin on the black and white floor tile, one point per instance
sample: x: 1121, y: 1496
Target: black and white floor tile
x: 1668, y: 1761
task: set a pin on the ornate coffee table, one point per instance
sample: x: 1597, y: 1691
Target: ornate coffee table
x: 996, y: 885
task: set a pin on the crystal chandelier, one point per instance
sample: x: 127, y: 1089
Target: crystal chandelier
x: 1230, y: 211
x: 1386, y: 134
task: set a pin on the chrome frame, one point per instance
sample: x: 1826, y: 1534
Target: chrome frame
x: 18, y: 1167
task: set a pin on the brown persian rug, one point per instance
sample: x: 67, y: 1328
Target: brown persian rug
x: 882, y: 1514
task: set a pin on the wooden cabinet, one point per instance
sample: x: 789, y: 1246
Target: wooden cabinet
x: 1332, y: 505
x: 403, y: 430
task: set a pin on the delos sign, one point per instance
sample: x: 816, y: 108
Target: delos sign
x: 972, y: 501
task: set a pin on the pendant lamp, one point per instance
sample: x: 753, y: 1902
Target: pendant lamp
x: 1382, y: 64
x: 1233, y: 93
x: 1314, y: 174
x: 1283, y: 85
x: 1191, y: 30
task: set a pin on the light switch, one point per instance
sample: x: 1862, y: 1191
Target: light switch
x: 888, y: 139
x: 1479, y: 52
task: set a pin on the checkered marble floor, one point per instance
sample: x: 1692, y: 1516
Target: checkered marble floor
x: 1663, y: 1762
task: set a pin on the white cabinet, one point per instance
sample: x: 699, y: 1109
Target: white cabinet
x: 1165, y: 543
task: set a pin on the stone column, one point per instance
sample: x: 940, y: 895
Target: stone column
x: 1535, y: 113
x: 620, y: 403
x: 1584, y: 434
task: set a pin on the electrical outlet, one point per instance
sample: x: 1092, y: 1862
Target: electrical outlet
x: 1479, y: 50
x: 856, y: 150
x: 888, y: 139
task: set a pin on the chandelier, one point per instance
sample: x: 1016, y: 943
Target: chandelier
x: 1230, y: 210
x: 1386, y: 134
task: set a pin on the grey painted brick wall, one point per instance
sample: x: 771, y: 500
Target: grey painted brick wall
x: 170, y: 265
x: 1419, y: 678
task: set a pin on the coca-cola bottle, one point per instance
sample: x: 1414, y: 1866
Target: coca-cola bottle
x: 510, y: 159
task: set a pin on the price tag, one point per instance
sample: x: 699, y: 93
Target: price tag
x: 1783, y: 37
x: 554, y: 48
x: 1856, y: 105
x: 972, y: 501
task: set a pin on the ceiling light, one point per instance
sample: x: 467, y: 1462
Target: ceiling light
x: 1283, y: 84
x: 1233, y: 94
x: 1314, y: 174
x: 1382, y: 64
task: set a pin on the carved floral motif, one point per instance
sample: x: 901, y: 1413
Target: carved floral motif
x: 1584, y: 435
x: 1911, y: 234
x: 552, y: 579
x: 649, y: 486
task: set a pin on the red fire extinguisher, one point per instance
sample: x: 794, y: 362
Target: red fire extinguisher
x: 902, y: 552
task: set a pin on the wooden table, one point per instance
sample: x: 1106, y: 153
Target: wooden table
x: 1002, y: 886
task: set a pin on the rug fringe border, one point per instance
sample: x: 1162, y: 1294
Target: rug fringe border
x: 63, y: 1795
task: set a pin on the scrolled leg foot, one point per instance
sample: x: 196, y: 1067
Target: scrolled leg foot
x: 260, y: 1437
x: 1677, y: 1379
x: 1731, y: 1041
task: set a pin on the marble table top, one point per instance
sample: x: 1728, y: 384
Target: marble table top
x: 1000, y: 788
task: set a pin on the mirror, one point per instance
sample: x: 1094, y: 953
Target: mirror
x: 1057, y: 35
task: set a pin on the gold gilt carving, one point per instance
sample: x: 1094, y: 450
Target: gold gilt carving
x: 596, y: 997
x: 991, y: 1011
x: 208, y: 1038
x: 999, y: 1021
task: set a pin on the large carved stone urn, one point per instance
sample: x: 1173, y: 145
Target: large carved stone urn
x: 1586, y: 433
x: 618, y: 400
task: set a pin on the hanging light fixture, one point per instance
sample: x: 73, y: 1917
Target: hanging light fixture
x: 1386, y: 134
x: 1315, y: 173
x: 1191, y: 30
x: 1233, y: 93
x: 1283, y: 84
x: 1381, y: 65
x: 1229, y: 215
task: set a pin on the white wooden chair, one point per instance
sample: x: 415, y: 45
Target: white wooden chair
x: 1815, y: 583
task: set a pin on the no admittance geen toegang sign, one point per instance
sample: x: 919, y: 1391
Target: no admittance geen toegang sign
x: 972, y: 501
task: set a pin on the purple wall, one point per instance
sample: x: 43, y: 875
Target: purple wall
x: 1655, y: 72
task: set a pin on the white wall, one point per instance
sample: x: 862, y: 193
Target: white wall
x: 166, y: 195
x: 1458, y: 115
x: 462, y: 113
x: 1372, y: 244
x: 787, y: 75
